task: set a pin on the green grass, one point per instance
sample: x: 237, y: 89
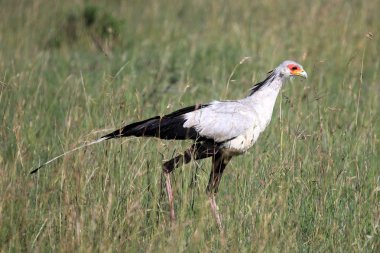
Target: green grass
x: 310, y: 184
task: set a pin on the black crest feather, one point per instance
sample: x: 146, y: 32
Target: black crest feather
x: 259, y: 85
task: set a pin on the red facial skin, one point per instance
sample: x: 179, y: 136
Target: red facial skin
x: 294, y: 69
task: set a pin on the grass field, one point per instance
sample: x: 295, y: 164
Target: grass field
x: 72, y: 71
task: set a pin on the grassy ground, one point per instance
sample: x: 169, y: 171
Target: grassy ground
x: 71, y: 71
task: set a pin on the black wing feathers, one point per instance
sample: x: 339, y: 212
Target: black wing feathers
x: 167, y: 127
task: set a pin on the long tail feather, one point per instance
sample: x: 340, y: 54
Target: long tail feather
x: 68, y: 152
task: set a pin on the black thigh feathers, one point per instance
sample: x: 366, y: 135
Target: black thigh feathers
x: 166, y: 127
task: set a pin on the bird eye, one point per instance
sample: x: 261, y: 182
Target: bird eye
x: 294, y: 68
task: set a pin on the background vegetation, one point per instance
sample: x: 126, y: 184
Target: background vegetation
x: 72, y: 70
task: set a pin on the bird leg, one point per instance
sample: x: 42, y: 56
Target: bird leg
x: 168, y: 167
x: 219, y: 163
x: 170, y: 196
x: 215, y: 211
x: 196, y: 151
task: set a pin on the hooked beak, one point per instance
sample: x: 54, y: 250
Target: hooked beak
x: 301, y: 73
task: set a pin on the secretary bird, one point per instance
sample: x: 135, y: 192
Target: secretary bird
x: 220, y: 129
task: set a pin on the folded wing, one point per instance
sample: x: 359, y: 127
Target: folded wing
x: 221, y: 121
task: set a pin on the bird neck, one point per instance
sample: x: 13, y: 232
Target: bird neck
x: 263, y: 99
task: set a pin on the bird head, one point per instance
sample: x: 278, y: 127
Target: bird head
x: 291, y: 69
x: 286, y: 70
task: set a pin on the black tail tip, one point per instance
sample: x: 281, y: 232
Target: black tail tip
x: 108, y: 136
x: 35, y: 170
